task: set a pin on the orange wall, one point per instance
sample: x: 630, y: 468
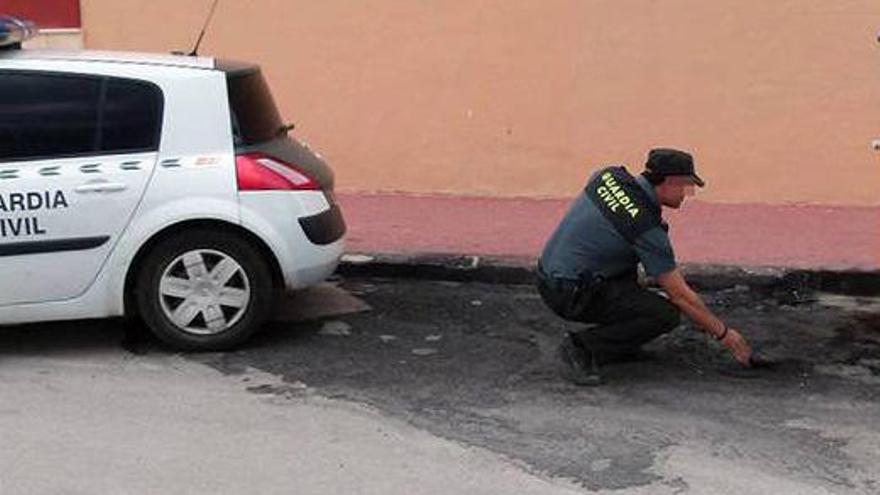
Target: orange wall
x: 779, y: 100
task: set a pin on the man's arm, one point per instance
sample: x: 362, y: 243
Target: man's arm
x: 691, y: 304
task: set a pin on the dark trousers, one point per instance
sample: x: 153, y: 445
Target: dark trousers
x: 625, y: 314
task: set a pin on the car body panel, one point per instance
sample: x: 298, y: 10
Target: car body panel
x: 67, y: 200
x: 309, y: 263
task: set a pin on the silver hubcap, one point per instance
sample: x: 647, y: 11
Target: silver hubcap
x: 204, y: 291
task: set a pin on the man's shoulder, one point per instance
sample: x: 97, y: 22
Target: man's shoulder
x: 622, y: 201
x: 614, y: 168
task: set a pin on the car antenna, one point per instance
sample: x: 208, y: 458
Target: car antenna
x: 195, y: 49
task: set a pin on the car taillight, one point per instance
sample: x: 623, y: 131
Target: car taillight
x: 261, y: 172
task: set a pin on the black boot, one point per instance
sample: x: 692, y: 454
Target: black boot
x: 579, y: 365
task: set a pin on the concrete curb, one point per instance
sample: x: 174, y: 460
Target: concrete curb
x: 459, y: 268
x: 515, y: 270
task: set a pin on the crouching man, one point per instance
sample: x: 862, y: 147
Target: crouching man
x: 588, y: 269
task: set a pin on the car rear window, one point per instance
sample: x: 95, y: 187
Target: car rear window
x: 255, y: 117
x: 131, y: 118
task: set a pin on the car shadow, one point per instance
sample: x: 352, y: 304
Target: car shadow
x: 295, y: 317
x: 115, y: 335
x: 65, y: 337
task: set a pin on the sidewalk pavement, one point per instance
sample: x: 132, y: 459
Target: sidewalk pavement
x: 803, y: 237
x: 497, y: 240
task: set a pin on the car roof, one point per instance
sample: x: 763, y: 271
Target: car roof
x: 111, y: 56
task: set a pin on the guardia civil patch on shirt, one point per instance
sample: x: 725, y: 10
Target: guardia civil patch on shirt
x: 623, y: 202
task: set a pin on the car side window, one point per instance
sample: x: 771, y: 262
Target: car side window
x: 47, y: 115
x: 131, y: 120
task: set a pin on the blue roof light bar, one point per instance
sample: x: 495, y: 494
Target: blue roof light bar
x: 13, y: 31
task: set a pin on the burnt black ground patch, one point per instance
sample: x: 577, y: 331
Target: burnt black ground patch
x: 475, y: 363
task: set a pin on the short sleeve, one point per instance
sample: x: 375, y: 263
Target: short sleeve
x: 655, y: 251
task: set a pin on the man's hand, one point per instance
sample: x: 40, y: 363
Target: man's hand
x: 737, y: 345
x: 692, y: 305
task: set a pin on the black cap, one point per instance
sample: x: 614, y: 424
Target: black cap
x: 668, y: 161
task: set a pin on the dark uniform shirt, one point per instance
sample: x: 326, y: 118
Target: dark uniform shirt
x: 586, y: 242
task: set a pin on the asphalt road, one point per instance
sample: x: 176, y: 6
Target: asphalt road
x: 466, y: 369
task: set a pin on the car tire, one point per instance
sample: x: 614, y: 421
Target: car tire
x: 204, y: 289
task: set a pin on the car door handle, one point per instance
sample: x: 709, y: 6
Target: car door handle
x: 101, y: 187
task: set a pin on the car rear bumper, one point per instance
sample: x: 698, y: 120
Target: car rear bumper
x: 304, y: 231
x: 322, y: 264
x: 324, y: 228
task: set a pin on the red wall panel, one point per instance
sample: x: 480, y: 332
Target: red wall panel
x: 46, y: 13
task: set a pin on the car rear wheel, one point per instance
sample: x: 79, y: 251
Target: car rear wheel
x: 204, y: 290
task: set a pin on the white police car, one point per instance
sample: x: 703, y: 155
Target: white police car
x: 160, y: 186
